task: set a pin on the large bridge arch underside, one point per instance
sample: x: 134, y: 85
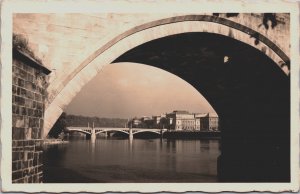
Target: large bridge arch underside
x: 250, y: 92
x: 61, y: 92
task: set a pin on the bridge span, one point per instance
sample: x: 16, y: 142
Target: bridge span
x: 130, y: 131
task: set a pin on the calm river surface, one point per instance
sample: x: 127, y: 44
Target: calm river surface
x: 142, y: 160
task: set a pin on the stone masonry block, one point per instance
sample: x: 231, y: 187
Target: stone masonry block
x: 25, y: 156
x: 30, y: 164
x: 28, y: 103
x: 29, y: 94
x: 15, y: 80
x: 15, y: 165
x: 16, y: 174
x: 30, y: 179
x: 41, y: 122
x: 28, y: 85
x: 21, y: 82
x: 20, y: 180
x: 35, y: 158
x: 36, y: 114
x: 26, y: 122
x: 17, y: 133
x: 20, y: 162
x: 35, y: 133
x: 39, y: 146
x: 22, y: 74
x: 18, y: 121
x: 30, y: 77
x: 17, y: 63
x: 31, y: 120
x: 28, y: 133
x: 23, y: 92
x: 18, y: 91
x: 14, y: 144
x: 39, y: 106
x: 15, y: 109
x: 15, y: 156
x: 30, y: 112
x: 34, y: 104
x: 19, y: 100
x: 31, y: 142
x: 29, y: 148
x: 42, y: 91
x: 16, y: 71
x: 20, y: 143
x: 23, y: 111
x: 38, y: 97
x: 34, y: 87
x: 14, y: 89
x: 30, y: 156
x: 29, y: 69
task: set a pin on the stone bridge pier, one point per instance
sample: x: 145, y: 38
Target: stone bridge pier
x: 93, y: 135
x: 130, y: 135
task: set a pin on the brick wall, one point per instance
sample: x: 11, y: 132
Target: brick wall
x: 28, y: 95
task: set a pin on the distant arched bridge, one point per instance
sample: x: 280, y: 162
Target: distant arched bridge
x: 130, y: 131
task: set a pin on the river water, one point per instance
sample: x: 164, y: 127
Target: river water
x: 111, y: 160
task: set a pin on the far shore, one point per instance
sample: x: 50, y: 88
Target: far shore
x: 55, y: 141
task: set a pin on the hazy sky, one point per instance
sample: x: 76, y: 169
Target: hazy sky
x: 125, y: 90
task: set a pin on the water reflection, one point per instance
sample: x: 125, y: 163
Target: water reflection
x: 204, y: 145
x: 130, y: 143
x: 135, y: 160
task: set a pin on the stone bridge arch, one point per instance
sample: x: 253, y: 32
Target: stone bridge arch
x: 61, y: 95
x: 146, y: 131
x: 112, y: 130
x: 79, y: 130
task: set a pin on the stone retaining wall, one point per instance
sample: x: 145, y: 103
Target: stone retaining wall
x: 28, y: 96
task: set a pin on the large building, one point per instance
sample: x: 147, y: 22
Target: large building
x: 209, y: 122
x: 179, y: 120
x: 183, y: 120
x: 159, y: 121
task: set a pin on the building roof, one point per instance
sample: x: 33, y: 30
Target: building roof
x: 212, y: 114
x: 197, y: 115
x: 181, y: 112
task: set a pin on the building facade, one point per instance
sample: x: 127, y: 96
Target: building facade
x: 179, y: 120
x: 209, y: 122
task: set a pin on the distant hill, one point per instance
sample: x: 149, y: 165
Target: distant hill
x: 82, y: 121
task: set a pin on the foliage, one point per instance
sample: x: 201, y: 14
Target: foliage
x: 164, y: 122
x: 83, y: 121
x: 21, y: 43
x: 59, y: 126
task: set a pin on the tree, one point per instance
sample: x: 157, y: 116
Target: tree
x: 59, y: 126
x: 164, y: 122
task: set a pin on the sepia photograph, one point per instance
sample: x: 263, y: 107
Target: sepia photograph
x: 168, y: 99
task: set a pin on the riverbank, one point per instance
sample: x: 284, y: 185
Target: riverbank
x: 175, y: 135
x: 54, y: 141
x: 192, y: 135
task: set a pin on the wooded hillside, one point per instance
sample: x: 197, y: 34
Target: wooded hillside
x: 82, y: 121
